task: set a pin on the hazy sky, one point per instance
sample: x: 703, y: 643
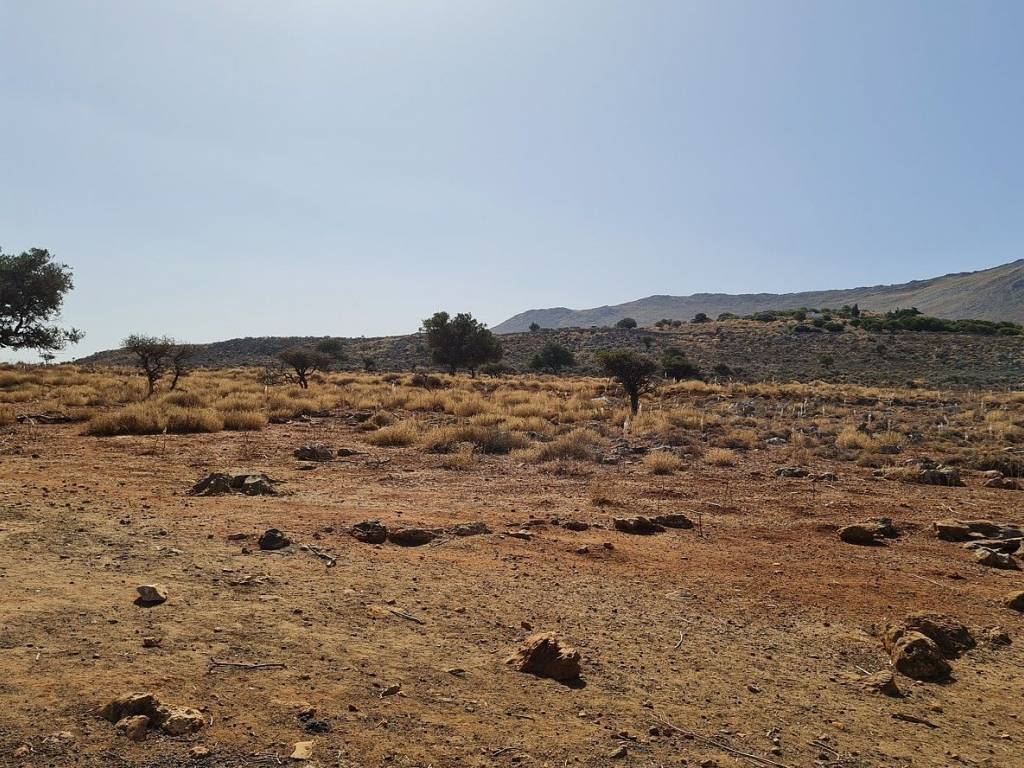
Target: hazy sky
x: 216, y: 168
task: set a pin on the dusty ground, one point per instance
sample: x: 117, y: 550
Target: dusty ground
x: 755, y: 628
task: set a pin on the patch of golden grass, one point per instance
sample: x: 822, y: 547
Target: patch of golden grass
x: 720, y: 457
x: 139, y: 419
x: 487, y: 439
x: 662, y: 463
x: 242, y: 421
x: 183, y: 421
x: 7, y: 417
x: 578, y: 445
x: 397, y: 435
x: 462, y: 459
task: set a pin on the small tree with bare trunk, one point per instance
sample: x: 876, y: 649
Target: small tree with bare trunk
x: 181, y: 358
x: 305, y: 361
x: 635, y: 372
x: 152, y: 354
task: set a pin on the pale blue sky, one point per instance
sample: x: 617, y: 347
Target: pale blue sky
x: 220, y: 168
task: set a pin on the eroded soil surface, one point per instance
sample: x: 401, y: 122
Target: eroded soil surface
x: 751, y: 630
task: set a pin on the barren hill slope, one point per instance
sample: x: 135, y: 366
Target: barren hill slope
x: 989, y: 294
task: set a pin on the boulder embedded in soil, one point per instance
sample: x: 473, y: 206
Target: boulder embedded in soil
x: 917, y: 656
x: 1015, y: 600
x: 219, y: 483
x: 994, y: 559
x: 952, y: 637
x: 860, y: 533
x: 547, y: 655
x: 273, y: 539
x: 182, y: 720
x: 369, y: 532
x: 175, y: 721
x: 639, y: 525
x: 575, y: 525
x: 133, y: 727
x: 951, y: 530
x: 314, y: 452
x: 673, y: 520
x: 411, y: 537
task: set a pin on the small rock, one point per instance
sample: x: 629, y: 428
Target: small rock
x: 791, y: 472
x: 133, y: 727
x: 150, y: 595
x: 619, y: 752
x: 369, y: 532
x: 997, y: 636
x: 547, y: 655
x: 182, y: 720
x: 883, y: 682
x: 302, y: 750
x: 575, y: 525
x: 951, y: 530
x: 151, y: 642
x: 521, y: 534
x: 273, y: 539
x: 391, y: 690
x: 475, y: 528
x: 411, y: 537
x: 199, y: 752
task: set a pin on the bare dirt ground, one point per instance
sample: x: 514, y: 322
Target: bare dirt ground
x: 751, y: 633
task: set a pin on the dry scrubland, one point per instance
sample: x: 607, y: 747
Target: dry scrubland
x: 751, y: 632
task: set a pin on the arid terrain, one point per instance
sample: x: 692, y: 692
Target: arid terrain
x: 744, y: 640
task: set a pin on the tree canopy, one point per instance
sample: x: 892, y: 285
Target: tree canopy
x: 460, y: 342
x: 635, y: 372
x: 553, y: 357
x: 32, y: 290
x: 305, y: 361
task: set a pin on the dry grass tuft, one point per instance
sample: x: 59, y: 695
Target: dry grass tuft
x: 720, y: 457
x: 662, y: 463
x: 242, y: 421
x: 397, y: 435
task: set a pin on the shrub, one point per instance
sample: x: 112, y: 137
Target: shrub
x: 626, y: 322
x: 397, y: 435
x: 487, y: 439
x: 184, y: 400
x: 676, y: 366
x: 140, y: 419
x: 241, y: 421
x: 720, y: 457
x: 182, y: 421
x: 580, y: 444
x: 662, y: 463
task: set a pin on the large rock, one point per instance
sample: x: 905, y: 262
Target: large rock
x: 994, y: 559
x: 369, y: 532
x: 639, y: 524
x: 150, y: 595
x: 1015, y: 600
x: 314, y: 452
x: 182, y: 720
x: 219, y: 483
x: 951, y: 530
x: 674, y: 520
x: 951, y: 637
x: 547, y: 655
x: 411, y: 537
x: 272, y: 539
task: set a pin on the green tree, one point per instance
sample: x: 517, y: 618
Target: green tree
x: 305, y: 361
x: 676, y: 365
x: 634, y: 372
x: 701, y: 317
x: 460, y: 342
x: 553, y: 357
x: 32, y: 290
x: 333, y: 348
x: 626, y: 322
x: 534, y: 327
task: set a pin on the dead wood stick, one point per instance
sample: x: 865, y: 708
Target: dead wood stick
x: 680, y: 641
x: 248, y: 665
x: 406, y: 616
x: 331, y: 561
x: 756, y: 759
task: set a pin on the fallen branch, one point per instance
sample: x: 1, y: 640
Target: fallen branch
x: 913, y: 719
x: 756, y: 759
x: 406, y: 616
x: 248, y: 665
x: 331, y: 561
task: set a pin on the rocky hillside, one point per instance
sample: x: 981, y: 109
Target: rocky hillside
x: 990, y: 294
x: 741, y: 350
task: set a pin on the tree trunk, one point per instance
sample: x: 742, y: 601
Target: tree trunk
x: 634, y: 402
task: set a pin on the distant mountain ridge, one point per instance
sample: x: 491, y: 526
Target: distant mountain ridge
x: 987, y: 294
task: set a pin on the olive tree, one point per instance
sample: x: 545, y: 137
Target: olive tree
x: 553, y: 357
x: 152, y: 354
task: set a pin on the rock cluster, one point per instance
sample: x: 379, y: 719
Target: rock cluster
x: 134, y: 714
x: 219, y: 483
x: 314, y: 452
